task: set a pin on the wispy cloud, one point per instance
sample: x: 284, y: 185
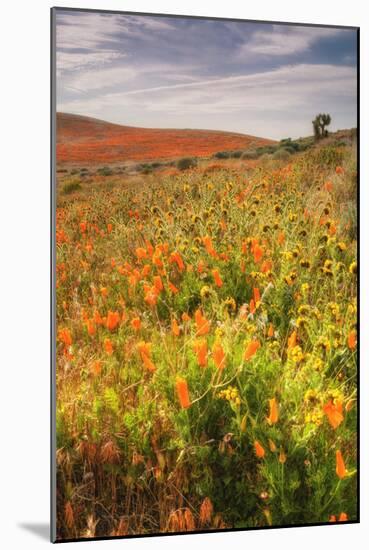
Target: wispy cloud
x: 157, y: 71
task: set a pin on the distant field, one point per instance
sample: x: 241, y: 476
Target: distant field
x: 83, y: 139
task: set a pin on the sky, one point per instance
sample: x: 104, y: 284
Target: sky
x: 263, y: 79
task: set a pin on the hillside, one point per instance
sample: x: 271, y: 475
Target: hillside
x: 82, y: 139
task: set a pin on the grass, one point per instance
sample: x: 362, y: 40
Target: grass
x: 206, y: 354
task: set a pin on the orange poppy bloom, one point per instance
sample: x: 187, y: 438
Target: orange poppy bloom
x: 281, y: 238
x: 273, y: 411
x: 173, y: 288
x: 182, y: 393
x: 292, y: 340
x: 144, y: 349
x: 334, y: 413
x: 209, y: 246
x: 202, y: 324
x: 328, y: 186
x: 217, y: 279
x: 91, y: 327
x: 343, y: 517
x: 112, y: 320
x: 141, y: 253
x: 270, y: 331
x: 65, y: 336
x: 175, y: 328
x: 97, y: 318
x: 104, y: 291
x: 109, y: 228
x: 151, y: 296
x: 83, y: 227
x: 145, y: 270
x: 258, y: 253
x: 201, y: 349
x: 257, y: 296
x: 185, y: 317
x: 251, y: 348
x: 266, y: 266
x: 351, y: 340
x: 339, y: 170
x: 158, y: 283
x: 136, y: 323
x: 175, y: 257
x: 219, y: 355
x: 96, y: 368
x: 201, y: 266
x: 332, y: 519
x: 108, y: 346
x: 252, y: 306
x: 340, y: 465
x: 259, y: 449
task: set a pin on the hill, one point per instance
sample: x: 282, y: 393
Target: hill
x: 83, y: 139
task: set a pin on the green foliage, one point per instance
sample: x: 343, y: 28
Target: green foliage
x: 186, y: 163
x: 70, y: 187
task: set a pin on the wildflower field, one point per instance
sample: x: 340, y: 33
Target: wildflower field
x: 206, y: 347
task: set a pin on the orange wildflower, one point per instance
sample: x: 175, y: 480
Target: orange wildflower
x: 258, y: 253
x: 328, y: 186
x: 151, y: 296
x: 104, y: 291
x: 257, y: 297
x: 185, y: 317
x: 340, y: 465
x: 206, y: 511
x: 97, y: 318
x: 109, y: 228
x: 141, y: 253
x: 339, y: 170
x: 145, y: 270
x: 201, y: 349
x: 351, y: 340
x: 91, y: 327
x: 270, y: 331
x: 202, y: 324
x: 281, y: 238
x: 65, y: 336
x: 266, y: 266
x: 252, y: 306
x: 251, y: 349
x: 219, y: 355
x: 173, y: 288
x: 273, y: 411
x: 144, y: 349
x: 182, y: 392
x: 218, y: 281
x: 332, y: 519
x: 108, y: 346
x: 343, y: 517
x: 292, y: 340
x: 201, y: 266
x: 175, y: 328
x: 112, y: 320
x: 334, y: 413
x: 83, y: 227
x: 209, y: 246
x: 259, y: 449
x: 136, y: 323
x: 96, y: 368
x: 175, y: 257
x: 158, y: 284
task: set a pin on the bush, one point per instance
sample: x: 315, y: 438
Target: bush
x: 281, y: 154
x: 236, y: 154
x: 186, y: 163
x: 71, y: 187
x: 251, y: 154
x: 105, y: 171
x: 222, y: 155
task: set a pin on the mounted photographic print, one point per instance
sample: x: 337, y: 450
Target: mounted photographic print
x: 204, y: 281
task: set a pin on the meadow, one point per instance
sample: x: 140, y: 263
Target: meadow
x: 206, y: 346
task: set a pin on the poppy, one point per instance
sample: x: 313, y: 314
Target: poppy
x: 251, y: 349
x: 182, y: 393
x: 112, y: 320
x: 259, y: 449
x: 175, y: 328
x: 201, y: 350
x: 334, y: 413
x: 136, y: 323
x: 202, y: 324
x: 340, y: 465
x: 219, y: 356
x: 217, y: 279
x: 273, y: 411
x: 351, y: 340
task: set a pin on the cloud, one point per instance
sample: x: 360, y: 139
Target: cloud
x: 285, y: 40
x: 285, y: 97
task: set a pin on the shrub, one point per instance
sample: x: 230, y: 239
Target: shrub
x: 236, y: 154
x: 70, y: 187
x: 105, y: 171
x: 186, y: 163
x: 281, y: 154
x: 222, y: 155
x: 251, y: 154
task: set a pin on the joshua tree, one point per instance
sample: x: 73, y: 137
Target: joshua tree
x: 319, y: 124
